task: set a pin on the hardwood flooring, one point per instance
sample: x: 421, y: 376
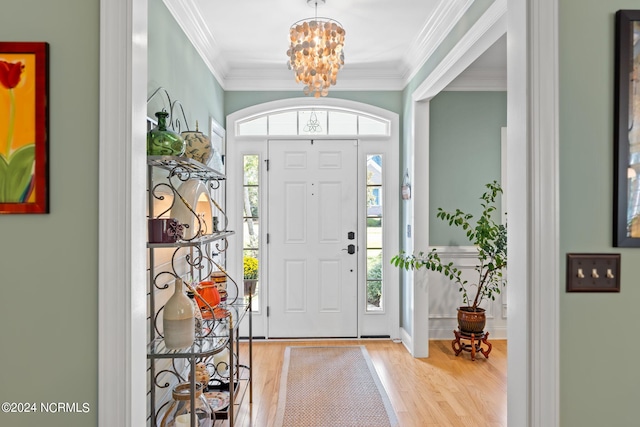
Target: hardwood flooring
x: 442, y: 390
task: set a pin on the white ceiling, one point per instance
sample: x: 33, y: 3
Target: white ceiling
x: 244, y: 42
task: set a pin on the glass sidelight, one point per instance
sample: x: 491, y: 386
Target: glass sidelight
x: 251, y: 228
x: 374, y: 240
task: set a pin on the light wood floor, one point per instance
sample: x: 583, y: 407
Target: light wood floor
x: 442, y: 390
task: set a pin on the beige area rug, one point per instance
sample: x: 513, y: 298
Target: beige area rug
x: 332, y: 386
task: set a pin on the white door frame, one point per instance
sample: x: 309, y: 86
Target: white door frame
x: 237, y: 146
x: 533, y: 398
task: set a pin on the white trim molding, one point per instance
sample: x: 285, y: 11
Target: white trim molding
x: 532, y: 136
x: 485, y: 32
x: 480, y: 79
x: 195, y: 27
x: 435, y: 30
x: 122, y: 312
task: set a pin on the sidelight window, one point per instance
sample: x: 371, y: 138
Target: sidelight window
x: 251, y: 228
x: 374, y: 235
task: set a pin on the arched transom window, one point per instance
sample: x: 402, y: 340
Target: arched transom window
x: 323, y: 121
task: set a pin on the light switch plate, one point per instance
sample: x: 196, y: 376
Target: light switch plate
x: 593, y: 272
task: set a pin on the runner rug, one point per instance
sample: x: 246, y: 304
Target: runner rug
x: 331, y: 386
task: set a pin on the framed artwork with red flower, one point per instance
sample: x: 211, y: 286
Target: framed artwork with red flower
x: 24, y: 171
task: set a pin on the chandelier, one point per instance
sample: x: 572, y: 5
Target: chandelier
x: 316, y: 52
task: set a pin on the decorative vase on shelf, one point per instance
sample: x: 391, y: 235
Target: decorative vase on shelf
x: 209, y: 292
x: 178, y: 319
x: 179, y: 412
x: 162, y: 141
x: 198, y: 146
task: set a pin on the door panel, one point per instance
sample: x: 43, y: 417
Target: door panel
x: 312, y: 208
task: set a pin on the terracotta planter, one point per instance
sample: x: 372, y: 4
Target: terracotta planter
x: 471, y: 322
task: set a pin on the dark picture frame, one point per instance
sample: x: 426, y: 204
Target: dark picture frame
x: 24, y: 146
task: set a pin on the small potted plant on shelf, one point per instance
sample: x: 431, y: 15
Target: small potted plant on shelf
x: 250, y: 275
x: 490, y: 239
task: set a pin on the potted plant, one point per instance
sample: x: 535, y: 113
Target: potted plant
x: 490, y: 239
x: 250, y: 275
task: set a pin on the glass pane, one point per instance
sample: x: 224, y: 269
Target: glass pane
x: 251, y: 201
x: 374, y: 264
x: 251, y: 169
x: 253, y: 127
x: 374, y: 295
x: 250, y: 253
x: 342, y: 123
x: 368, y: 126
x: 312, y: 122
x: 251, y: 233
x: 374, y: 201
x: 374, y: 233
x: 374, y: 170
x: 283, y: 123
x: 374, y: 188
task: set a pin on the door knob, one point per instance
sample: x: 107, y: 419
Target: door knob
x: 351, y: 249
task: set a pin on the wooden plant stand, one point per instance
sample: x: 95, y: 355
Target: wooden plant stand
x: 471, y: 343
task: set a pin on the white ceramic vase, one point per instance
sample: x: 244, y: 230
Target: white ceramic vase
x: 178, y: 319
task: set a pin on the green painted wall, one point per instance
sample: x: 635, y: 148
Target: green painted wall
x: 464, y: 155
x: 237, y: 100
x: 175, y: 65
x: 599, y: 373
x: 49, y: 263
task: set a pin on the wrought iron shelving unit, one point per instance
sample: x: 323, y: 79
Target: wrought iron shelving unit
x: 220, y: 332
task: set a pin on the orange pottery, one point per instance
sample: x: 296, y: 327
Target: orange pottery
x: 209, y: 292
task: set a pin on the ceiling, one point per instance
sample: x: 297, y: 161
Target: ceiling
x: 244, y: 42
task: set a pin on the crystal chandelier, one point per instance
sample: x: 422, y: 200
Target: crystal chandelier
x: 316, y: 52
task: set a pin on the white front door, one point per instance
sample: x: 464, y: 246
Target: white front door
x: 312, y: 211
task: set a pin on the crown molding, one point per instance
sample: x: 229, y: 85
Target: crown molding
x: 485, y: 32
x: 434, y: 31
x: 194, y: 26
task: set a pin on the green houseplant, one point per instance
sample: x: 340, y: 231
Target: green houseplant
x: 490, y: 239
x: 250, y: 274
